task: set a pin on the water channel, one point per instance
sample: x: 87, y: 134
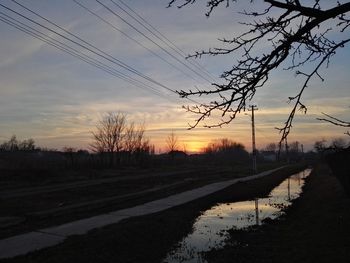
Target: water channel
x: 209, y: 229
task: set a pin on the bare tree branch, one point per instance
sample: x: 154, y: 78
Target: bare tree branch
x: 298, y: 34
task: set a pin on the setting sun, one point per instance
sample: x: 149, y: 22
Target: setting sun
x: 194, y: 146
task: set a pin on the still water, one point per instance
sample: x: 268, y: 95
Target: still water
x: 209, y: 230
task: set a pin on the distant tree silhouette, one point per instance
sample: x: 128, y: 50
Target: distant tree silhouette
x: 13, y: 145
x: 134, y: 138
x: 339, y: 143
x: 294, y: 147
x: 135, y: 143
x: 336, y: 144
x: 320, y: 146
x: 223, y: 145
x: 297, y: 35
x: 117, y: 138
x: 172, y: 142
x: 109, y: 135
x: 271, y: 147
x: 226, y: 151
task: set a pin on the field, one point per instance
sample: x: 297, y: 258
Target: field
x: 149, y: 238
x: 316, y: 228
x: 32, y: 199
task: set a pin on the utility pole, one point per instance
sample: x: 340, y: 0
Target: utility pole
x: 252, y: 108
x: 302, y: 152
x: 287, y: 150
x: 257, y: 211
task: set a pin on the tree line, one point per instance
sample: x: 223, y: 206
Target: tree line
x: 13, y: 144
x: 118, y: 142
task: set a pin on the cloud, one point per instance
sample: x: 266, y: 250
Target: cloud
x: 57, y: 99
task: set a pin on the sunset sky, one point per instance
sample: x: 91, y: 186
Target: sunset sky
x: 57, y: 99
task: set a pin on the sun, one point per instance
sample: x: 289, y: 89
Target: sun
x: 194, y: 146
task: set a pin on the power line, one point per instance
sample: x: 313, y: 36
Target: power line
x: 155, y: 32
x: 75, y: 53
x: 131, y: 38
x: 90, y: 48
x: 151, y: 40
x: 104, y: 54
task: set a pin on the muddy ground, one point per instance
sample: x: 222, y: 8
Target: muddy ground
x: 149, y: 238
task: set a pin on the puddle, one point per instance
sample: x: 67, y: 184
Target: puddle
x: 210, y: 228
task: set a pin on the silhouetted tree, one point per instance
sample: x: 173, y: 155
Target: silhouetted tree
x: 294, y: 147
x: 134, y: 137
x: 271, y: 152
x: 226, y: 150
x: 223, y: 145
x: 271, y: 147
x: 135, y: 143
x: 320, y: 146
x: 298, y: 35
x: 109, y: 135
x: 119, y: 139
x: 13, y: 145
x: 172, y: 142
x: 26, y: 145
x: 338, y: 143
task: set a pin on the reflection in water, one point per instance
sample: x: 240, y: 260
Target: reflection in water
x: 210, y: 228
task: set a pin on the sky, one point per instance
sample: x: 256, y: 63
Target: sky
x: 57, y: 99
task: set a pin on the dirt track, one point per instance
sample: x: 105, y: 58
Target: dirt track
x: 148, y: 238
x: 28, y: 208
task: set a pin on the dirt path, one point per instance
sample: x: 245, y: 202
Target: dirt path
x: 148, y: 238
x: 58, y: 204
x: 46, y: 237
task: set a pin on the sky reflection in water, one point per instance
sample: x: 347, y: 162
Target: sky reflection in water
x: 210, y: 228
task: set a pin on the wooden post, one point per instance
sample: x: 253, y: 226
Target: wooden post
x: 257, y: 211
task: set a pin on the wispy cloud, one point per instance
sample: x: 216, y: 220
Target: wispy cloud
x: 57, y: 99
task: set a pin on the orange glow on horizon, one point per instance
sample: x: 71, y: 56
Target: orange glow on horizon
x: 194, y: 146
